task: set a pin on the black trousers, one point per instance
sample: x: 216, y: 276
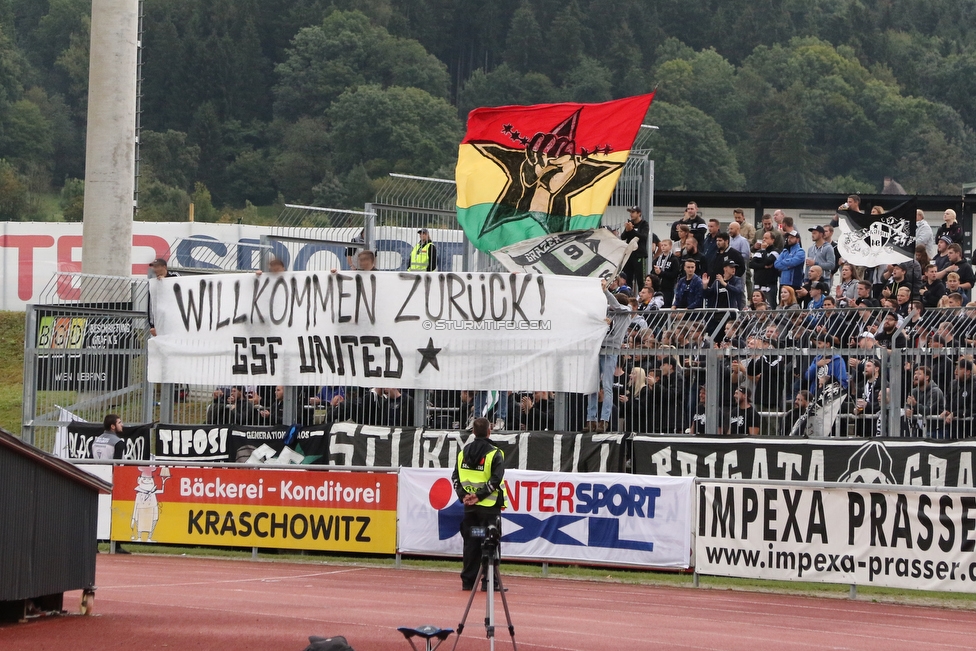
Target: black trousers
x: 475, y: 516
x: 634, y: 270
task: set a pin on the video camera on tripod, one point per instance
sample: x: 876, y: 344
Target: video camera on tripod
x: 490, y: 576
x: 491, y: 535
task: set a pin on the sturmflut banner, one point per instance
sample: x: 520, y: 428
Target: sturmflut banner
x: 286, y: 509
x: 592, y: 517
x: 877, y: 536
x: 480, y: 331
x: 363, y: 445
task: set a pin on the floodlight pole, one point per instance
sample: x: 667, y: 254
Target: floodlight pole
x: 111, y: 140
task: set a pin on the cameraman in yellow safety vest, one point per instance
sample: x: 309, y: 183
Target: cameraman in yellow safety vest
x: 478, y: 478
x: 423, y: 257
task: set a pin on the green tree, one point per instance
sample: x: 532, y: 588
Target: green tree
x: 203, y: 208
x: 13, y: 194
x: 781, y: 149
x: 504, y: 86
x: 590, y: 81
x: 53, y: 33
x: 524, y: 42
x: 168, y: 158
x: 73, y: 62
x: 72, y: 200
x: 564, y: 42
x: 393, y: 129
x: 302, y: 161
x: 249, y: 179
x: 347, y: 51
x: 330, y: 192
x: 25, y: 135
x: 358, y: 188
x: 690, y: 151
x: 159, y: 202
x: 207, y: 133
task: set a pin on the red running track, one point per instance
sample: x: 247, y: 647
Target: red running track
x: 186, y: 604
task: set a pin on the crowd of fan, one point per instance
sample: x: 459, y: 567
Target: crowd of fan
x: 695, y: 297
x: 778, y: 310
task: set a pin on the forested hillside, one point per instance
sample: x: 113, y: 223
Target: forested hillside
x: 313, y: 101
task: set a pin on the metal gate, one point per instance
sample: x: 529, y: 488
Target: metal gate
x: 83, y: 360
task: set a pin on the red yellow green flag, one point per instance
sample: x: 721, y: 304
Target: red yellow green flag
x: 525, y: 171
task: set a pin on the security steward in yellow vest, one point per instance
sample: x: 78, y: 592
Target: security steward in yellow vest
x: 477, y: 480
x: 423, y: 257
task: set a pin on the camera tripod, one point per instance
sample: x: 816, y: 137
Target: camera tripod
x: 490, y: 558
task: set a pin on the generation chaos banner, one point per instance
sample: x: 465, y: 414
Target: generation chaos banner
x: 327, y: 511
x: 379, y: 329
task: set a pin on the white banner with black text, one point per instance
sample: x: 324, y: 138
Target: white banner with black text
x: 872, y: 536
x: 573, y: 517
x: 379, y: 329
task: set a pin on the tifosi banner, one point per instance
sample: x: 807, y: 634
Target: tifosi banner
x: 286, y: 509
x: 243, y: 444
x: 192, y: 442
x: 382, y: 329
x: 874, y: 461
x: 593, y: 517
x: 362, y: 445
x: 882, y: 536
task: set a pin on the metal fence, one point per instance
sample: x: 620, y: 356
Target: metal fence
x: 85, y: 355
x: 839, y: 372
x: 688, y: 372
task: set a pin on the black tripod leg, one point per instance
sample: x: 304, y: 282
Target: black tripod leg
x: 464, y: 617
x: 508, y: 614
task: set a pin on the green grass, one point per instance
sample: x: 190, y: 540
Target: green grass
x: 11, y: 370
x: 581, y: 573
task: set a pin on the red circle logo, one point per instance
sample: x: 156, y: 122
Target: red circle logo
x: 441, y: 493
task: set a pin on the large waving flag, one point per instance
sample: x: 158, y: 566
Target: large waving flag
x: 527, y: 171
x: 872, y: 240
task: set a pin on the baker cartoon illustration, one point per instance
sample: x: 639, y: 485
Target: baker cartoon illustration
x: 145, y: 511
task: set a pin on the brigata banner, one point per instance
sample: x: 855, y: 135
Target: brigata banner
x: 379, y: 329
x: 363, y: 445
x: 239, y: 507
x: 879, y: 536
x: 910, y: 462
x: 589, y: 518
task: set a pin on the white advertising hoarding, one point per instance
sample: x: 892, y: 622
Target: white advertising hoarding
x: 877, y: 535
x: 573, y: 517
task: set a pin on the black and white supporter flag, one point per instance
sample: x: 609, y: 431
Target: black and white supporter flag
x: 872, y: 240
x: 590, y: 253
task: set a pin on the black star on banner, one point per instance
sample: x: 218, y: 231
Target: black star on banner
x: 429, y: 355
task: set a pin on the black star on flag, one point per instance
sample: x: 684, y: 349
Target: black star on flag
x: 543, y: 178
